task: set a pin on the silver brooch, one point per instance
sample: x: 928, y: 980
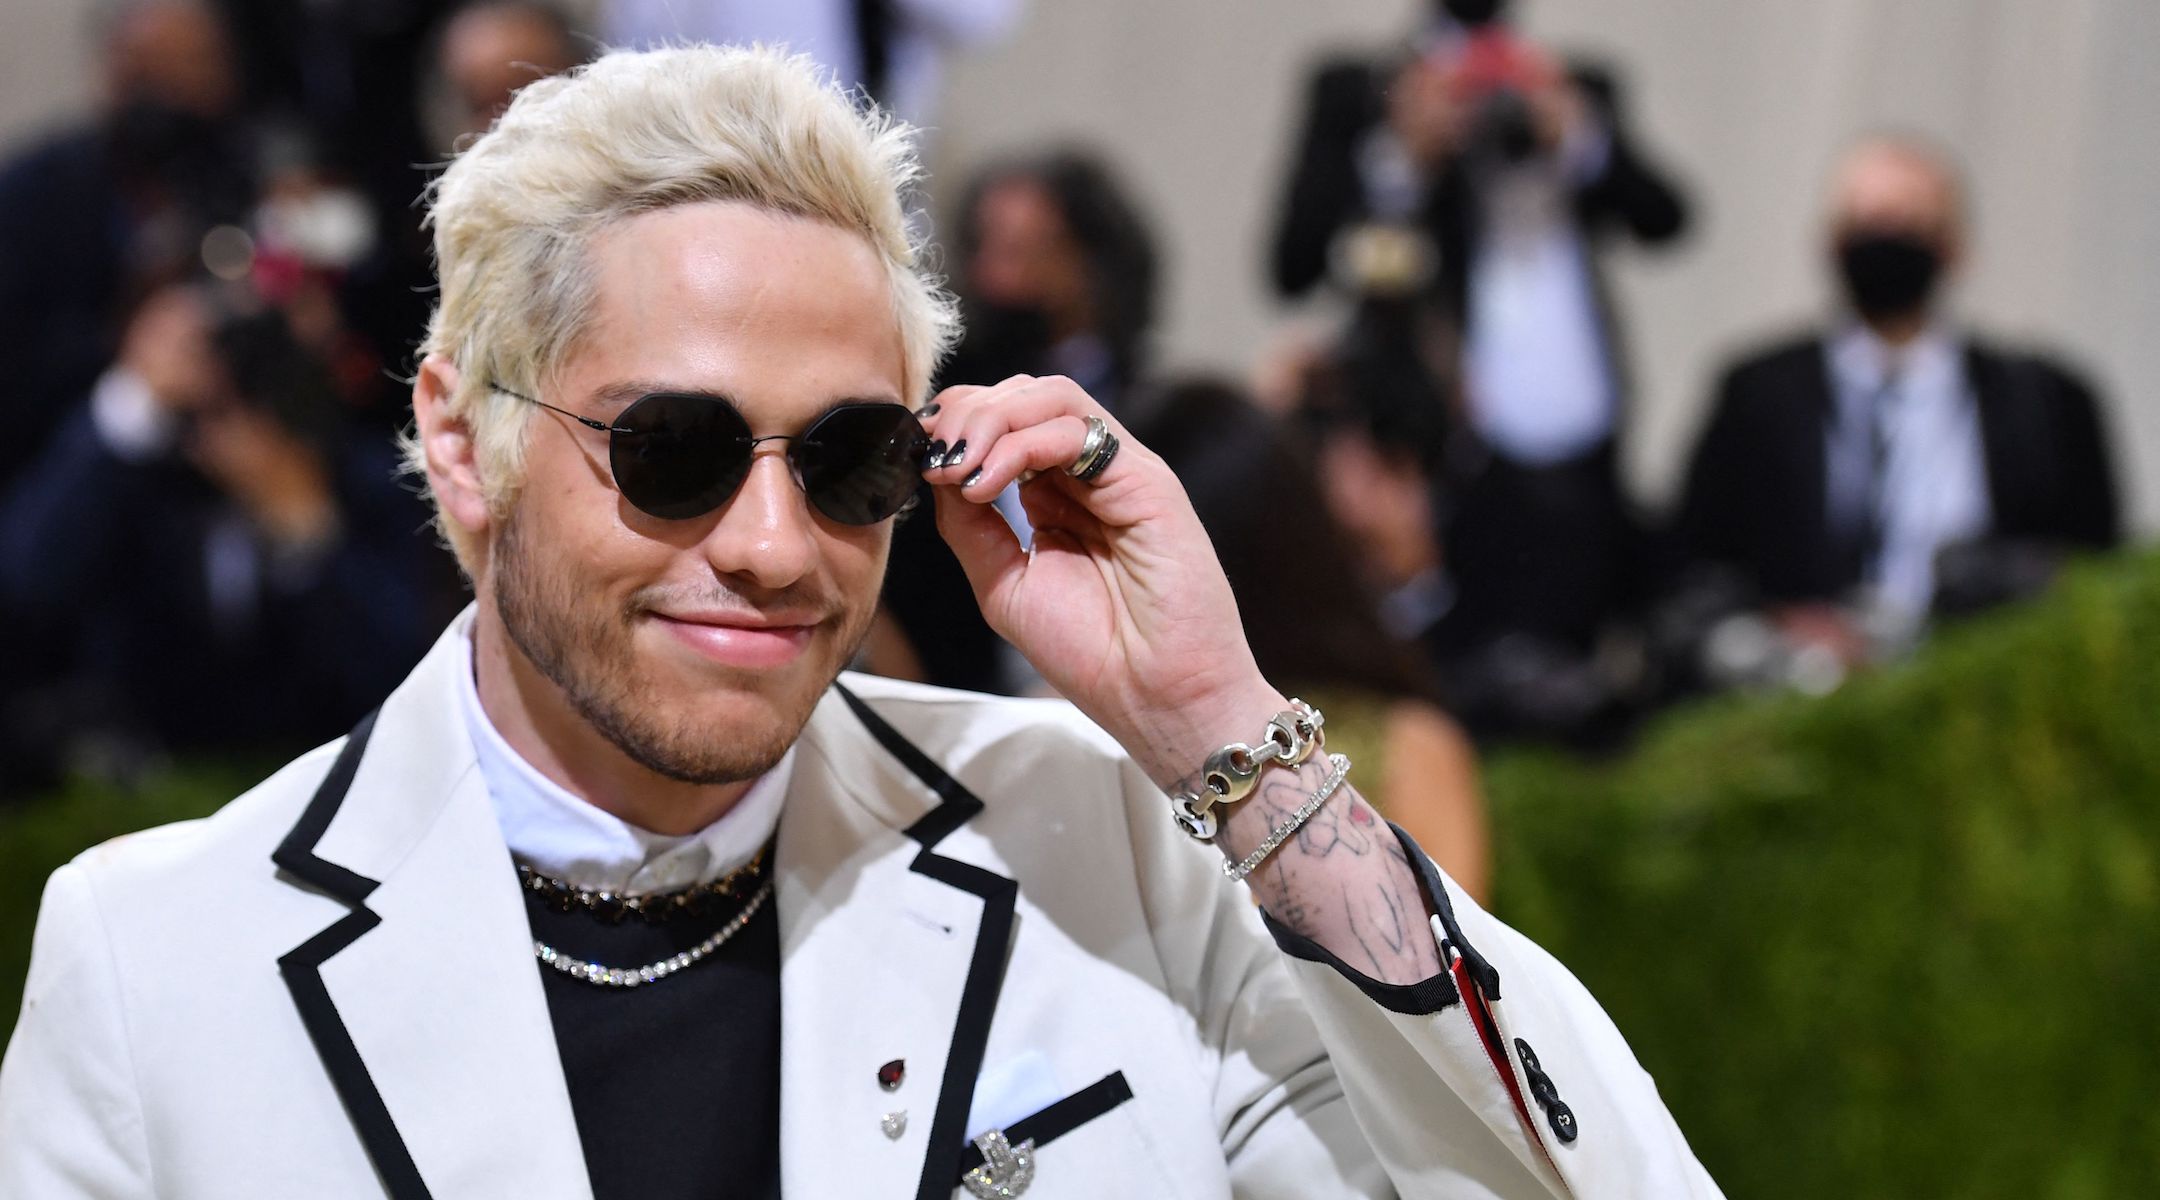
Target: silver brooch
x: 1007, y: 1169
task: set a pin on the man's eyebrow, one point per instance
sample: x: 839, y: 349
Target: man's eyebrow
x: 878, y: 398
x: 615, y: 395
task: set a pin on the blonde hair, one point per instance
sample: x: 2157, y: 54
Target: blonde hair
x: 515, y: 215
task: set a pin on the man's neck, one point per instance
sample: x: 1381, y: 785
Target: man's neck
x: 1901, y: 331
x: 537, y: 720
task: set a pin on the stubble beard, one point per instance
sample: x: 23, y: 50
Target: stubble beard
x: 590, y: 654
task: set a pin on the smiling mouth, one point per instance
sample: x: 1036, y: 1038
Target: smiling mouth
x: 748, y: 641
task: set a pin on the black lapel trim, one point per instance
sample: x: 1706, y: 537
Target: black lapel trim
x: 1059, y: 1119
x: 302, y: 968
x: 986, y: 969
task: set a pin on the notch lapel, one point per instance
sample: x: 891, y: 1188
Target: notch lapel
x: 424, y: 1002
x: 890, y: 949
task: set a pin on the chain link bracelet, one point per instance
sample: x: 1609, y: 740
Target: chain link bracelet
x: 1230, y: 774
x: 1281, y: 833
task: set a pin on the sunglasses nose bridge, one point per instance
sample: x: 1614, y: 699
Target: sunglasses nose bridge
x: 790, y: 450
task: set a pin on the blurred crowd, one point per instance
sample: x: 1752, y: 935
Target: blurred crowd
x: 209, y: 292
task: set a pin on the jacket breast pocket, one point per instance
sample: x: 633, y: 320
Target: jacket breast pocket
x: 1063, y: 1144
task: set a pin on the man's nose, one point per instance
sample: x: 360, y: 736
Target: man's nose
x: 766, y: 533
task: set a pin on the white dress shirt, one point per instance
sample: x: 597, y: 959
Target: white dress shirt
x: 1537, y: 371
x: 1933, y: 490
x: 558, y: 834
x: 1540, y: 382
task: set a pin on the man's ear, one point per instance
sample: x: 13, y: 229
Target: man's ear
x: 452, y: 470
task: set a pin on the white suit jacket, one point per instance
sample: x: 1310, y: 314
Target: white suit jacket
x: 328, y: 989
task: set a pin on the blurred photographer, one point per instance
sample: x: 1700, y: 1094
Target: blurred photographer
x: 1888, y: 466
x: 1475, y: 174
x: 124, y: 196
x: 201, y: 559
x: 1058, y: 274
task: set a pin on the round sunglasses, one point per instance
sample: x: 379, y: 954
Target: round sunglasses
x: 678, y: 455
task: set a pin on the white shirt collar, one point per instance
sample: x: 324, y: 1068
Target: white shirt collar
x: 559, y: 834
x: 1865, y: 362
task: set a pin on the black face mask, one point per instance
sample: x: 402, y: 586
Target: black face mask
x: 153, y: 137
x: 1001, y: 340
x: 1470, y: 14
x: 1889, y: 274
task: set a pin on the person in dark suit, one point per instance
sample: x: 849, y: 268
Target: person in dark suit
x: 1893, y: 463
x: 199, y: 559
x: 1475, y: 177
x: 124, y: 196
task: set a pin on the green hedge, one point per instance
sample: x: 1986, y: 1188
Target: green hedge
x: 1901, y: 942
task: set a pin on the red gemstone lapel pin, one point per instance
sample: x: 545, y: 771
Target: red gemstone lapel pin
x: 889, y: 1078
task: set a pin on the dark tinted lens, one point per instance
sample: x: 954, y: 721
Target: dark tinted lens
x: 679, y: 456
x: 860, y: 462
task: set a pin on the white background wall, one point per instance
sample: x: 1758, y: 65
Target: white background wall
x: 2052, y: 104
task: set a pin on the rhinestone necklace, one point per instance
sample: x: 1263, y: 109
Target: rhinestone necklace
x: 613, y: 907
x: 630, y: 977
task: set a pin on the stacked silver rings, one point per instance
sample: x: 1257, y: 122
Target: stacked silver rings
x: 1096, y: 451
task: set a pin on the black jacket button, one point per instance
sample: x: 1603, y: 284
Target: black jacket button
x: 1557, y: 1113
x: 1528, y: 1056
x: 1562, y: 1120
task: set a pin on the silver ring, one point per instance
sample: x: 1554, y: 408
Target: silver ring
x: 1096, y: 451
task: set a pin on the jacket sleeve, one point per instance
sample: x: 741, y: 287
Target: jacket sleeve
x: 1329, y: 1083
x: 1630, y: 191
x: 1506, y: 1042
x: 2093, y: 515
x: 1324, y: 192
x: 1286, y: 1128
x: 71, y: 1122
x: 64, y: 522
x: 1712, y: 523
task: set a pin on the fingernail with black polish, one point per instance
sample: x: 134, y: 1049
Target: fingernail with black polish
x: 973, y: 476
x: 928, y: 410
x: 959, y: 449
x: 935, y: 457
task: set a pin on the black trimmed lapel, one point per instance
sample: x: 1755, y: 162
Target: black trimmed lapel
x: 302, y: 969
x: 890, y: 949
x: 423, y: 1001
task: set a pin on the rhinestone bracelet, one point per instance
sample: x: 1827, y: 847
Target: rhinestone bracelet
x: 1281, y: 833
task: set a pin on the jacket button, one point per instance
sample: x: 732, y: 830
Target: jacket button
x: 1528, y: 1056
x: 1557, y: 1113
x: 1562, y: 1119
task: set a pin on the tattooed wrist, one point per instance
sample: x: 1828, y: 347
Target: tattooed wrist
x: 1343, y: 879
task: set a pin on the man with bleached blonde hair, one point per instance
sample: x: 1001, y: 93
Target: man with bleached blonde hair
x: 629, y: 891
